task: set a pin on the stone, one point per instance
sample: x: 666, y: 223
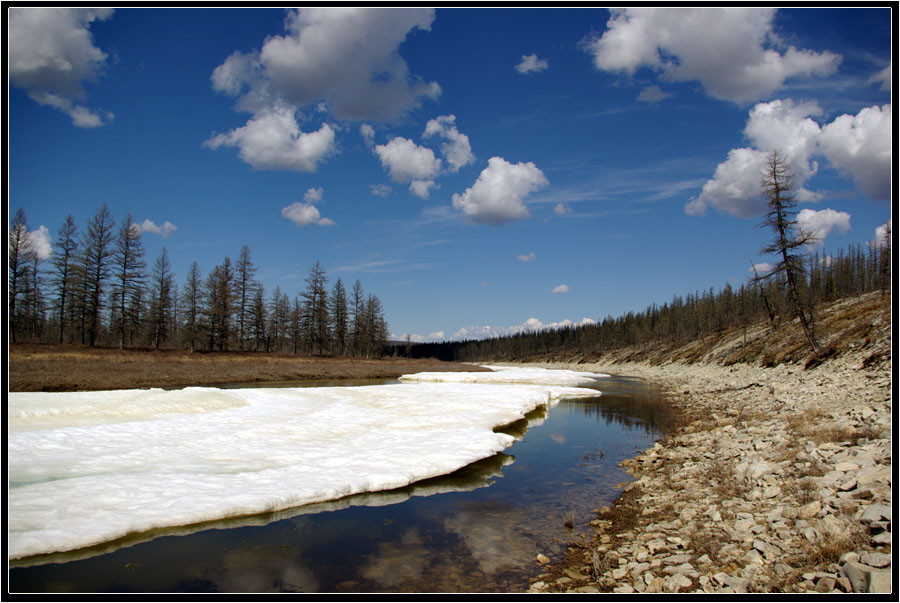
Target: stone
x: 875, y: 513
x: 875, y: 559
x: 655, y: 545
x: 676, y: 583
x: 809, y: 510
x: 624, y: 589
x: 754, y: 558
x: 543, y: 559
x: 825, y: 585
x: 585, y: 589
x: 866, y: 579
x: 882, y: 538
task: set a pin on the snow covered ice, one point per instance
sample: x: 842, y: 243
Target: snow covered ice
x: 90, y: 467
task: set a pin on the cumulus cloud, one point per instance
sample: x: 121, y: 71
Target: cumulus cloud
x: 820, y: 223
x: 408, y: 162
x: 498, y: 195
x: 52, y: 55
x: 313, y: 195
x: 859, y: 146
x: 273, y: 140
x: 306, y: 213
x: 559, y: 289
x: 40, y: 242
x: 456, y: 148
x: 345, y: 57
x: 883, y: 234
x: 526, y: 257
x: 368, y: 134
x: 530, y: 63
x: 530, y: 325
x: 761, y: 268
x: 733, y: 52
x: 164, y: 231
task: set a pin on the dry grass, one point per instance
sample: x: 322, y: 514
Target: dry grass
x: 78, y: 368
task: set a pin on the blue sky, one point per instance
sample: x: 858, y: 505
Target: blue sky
x: 480, y: 170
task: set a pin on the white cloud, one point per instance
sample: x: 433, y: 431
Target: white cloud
x: 652, y: 94
x: 313, y: 195
x: 421, y: 188
x: 761, y: 268
x: 380, y: 190
x: 733, y: 52
x: 40, y: 242
x: 303, y: 214
x: 883, y: 234
x: 406, y: 161
x: 821, y: 223
x: 526, y: 257
x: 499, y: 193
x: 368, y: 134
x: 346, y: 57
x: 735, y: 186
x: 273, y: 140
x: 559, y: 289
x: 530, y: 63
x: 164, y: 231
x: 860, y: 146
x: 561, y: 209
x: 456, y: 148
x: 52, y: 54
x: 883, y: 76
x: 532, y: 325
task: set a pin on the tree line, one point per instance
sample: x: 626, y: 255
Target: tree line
x: 97, y: 291
x: 791, y: 288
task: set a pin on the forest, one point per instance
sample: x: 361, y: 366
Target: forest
x: 95, y: 290
x: 850, y: 272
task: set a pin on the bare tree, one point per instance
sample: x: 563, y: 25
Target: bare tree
x: 315, y: 310
x: 191, y: 303
x: 19, y: 253
x: 63, y: 263
x: 244, y: 283
x: 337, y: 305
x: 129, y: 273
x: 777, y: 185
x: 96, y: 257
x: 161, y: 304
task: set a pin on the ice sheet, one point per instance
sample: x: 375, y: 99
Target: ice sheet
x: 87, y: 468
x: 510, y: 375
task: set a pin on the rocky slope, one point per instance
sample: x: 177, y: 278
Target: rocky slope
x: 777, y: 479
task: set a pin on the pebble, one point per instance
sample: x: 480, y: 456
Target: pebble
x: 767, y: 489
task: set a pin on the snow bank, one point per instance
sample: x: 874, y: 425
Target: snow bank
x: 87, y: 468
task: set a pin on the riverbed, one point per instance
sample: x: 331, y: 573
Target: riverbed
x: 477, y: 530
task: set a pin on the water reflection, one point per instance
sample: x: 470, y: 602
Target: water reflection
x: 470, y: 538
x: 492, y: 532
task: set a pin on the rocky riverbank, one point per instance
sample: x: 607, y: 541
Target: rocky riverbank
x: 776, y: 480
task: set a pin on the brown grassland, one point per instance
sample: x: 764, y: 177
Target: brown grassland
x: 52, y: 367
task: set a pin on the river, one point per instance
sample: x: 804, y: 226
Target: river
x: 477, y: 530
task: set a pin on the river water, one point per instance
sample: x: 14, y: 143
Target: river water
x: 477, y: 530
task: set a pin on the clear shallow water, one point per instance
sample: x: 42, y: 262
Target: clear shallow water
x: 477, y: 530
